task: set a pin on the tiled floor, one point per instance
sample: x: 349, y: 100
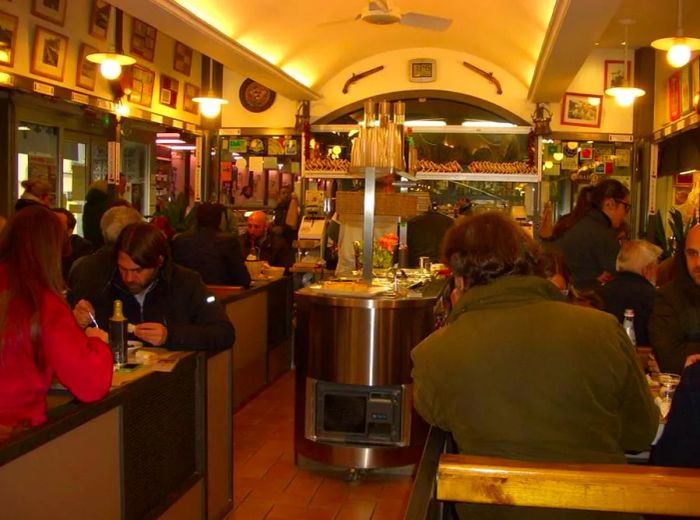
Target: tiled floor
x: 267, y: 484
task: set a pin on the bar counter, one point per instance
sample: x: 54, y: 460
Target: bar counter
x: 158, y: 446
x: 262, y: 316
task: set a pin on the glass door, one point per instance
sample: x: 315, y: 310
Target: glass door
x: 37, y: 157
x: 135, y: 167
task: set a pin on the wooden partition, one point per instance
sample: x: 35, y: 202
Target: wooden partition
x: 159, y: 446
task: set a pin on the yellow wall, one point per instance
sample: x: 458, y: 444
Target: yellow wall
x: 76, y: 28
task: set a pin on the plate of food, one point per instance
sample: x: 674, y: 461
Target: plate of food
x: 348, y: 288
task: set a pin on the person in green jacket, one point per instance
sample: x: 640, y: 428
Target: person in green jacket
x: 519, y: 373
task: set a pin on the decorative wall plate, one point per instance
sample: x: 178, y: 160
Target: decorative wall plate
x: 256, y: 97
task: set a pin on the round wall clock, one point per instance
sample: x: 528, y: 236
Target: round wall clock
x: 256, y: 97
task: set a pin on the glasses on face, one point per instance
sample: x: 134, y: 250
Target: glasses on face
x: 626, y: 204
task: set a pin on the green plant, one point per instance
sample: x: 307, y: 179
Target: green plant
x: 175, y: 210
x: 679, y: 230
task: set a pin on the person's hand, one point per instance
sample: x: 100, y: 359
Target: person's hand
x: 604, y: 277
x: 83, y: 311
x: 154, y: 333
x: 693, y: 358
x: 94, y: 332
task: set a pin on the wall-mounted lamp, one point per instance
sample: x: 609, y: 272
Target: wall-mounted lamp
x: 212, y: 72
x: 111, y: 63
x: 626, y: 94
x: 679, y: 47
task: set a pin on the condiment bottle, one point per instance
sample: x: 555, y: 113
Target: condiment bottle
x: 628, y: 325
x: 118, y: 330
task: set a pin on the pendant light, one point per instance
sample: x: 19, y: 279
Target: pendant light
x: 111, y: 62
x: 626, y: 94
x: 212, y: 75
x: 679, y: 47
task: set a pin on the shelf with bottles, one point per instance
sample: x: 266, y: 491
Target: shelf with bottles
x: 491, y: 154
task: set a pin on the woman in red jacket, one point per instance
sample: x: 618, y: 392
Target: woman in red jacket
x: 40, y: 338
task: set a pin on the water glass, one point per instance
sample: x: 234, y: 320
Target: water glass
x: 668, y: 383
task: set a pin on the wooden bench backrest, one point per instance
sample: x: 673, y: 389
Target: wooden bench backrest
x: 596, y: 487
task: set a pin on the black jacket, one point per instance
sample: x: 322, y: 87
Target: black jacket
x: 271, y: 248
x: 630, y: 291
x: 674, y: 324
x: 589, y: 247
x: 216, y: 256
x: 179, y: 300
x: 425, y: 233
x: 679, y: 446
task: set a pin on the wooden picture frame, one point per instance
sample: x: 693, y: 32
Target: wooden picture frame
x: 99, y: 19
x: 674, y: 96
x: 182, y: 58
x: 190, y: 92
x: 142, y: 80
x: 49, y: 53
x: 50, y: 10
x: 686, y: 98
x: 577, y: 110
x: 615, y: 73
x: 8, y: 38
x: 695, y: 81
x: 143, y: 39
x: 169, y: 88
x: 86, y: 74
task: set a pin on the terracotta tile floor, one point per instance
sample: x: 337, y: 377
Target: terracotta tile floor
x: 267, y: 484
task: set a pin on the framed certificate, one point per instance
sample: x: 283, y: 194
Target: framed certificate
x: 422, y: 70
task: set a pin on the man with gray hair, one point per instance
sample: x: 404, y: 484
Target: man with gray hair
x: 87, y: 275
x: 634, y: 285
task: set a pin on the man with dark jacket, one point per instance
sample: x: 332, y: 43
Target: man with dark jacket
x: 168, y: 305
x: 266, y: 246
x: 633, y: 285
x: 216, y: 256
x: 674, y: 325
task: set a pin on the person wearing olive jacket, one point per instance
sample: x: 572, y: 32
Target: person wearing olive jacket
x: 519, y: 373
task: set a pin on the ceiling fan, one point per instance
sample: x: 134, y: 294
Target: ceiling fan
x: 381, y: 12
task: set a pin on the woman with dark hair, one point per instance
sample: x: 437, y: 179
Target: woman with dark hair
x: 590, y: 246
x: 40, y: 338
x: 517, y: 372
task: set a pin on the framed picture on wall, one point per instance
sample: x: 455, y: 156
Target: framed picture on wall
x: 168, y: 91
x: 615, y: 73
x: 182, y: 60
x: 143, y: 39
x: 50, y: 10
x: 87, y: 71
x: 190, y: 92
x: 8, y: 38
x: 49, y: 53
x: 99, y: 19
x: 695, y: 81
x: 581, y: 109
x: 674, y: 96
x: 142, y: 85
x: 686, y: 99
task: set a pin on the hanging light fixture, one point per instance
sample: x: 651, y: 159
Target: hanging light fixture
x: 626, y: 94
x: 210, y: 105
x: 679, y: 47
x: 111, y: 62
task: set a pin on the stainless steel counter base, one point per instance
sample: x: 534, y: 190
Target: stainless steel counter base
x: 357, y: 351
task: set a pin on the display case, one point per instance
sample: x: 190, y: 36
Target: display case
x: 500, y: 154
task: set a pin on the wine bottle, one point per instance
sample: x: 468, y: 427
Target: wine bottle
x: 118, y: 330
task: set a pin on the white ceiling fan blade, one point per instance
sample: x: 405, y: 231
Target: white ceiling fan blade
x: 378, y: 5
x: 424, y: 21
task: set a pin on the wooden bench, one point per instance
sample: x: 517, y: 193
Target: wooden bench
x: 594, y: 487
x: 442, y: 478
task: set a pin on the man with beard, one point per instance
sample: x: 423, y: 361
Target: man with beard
x: 674, y: 325
x: 168, y: 305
